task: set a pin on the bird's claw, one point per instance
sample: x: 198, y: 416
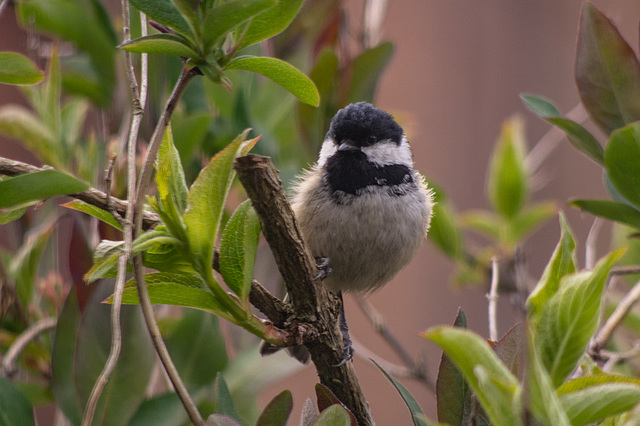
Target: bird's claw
x: 322, y: 264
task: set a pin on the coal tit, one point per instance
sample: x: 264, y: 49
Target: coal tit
x: 362, y: 206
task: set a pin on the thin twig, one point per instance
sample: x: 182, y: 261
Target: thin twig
x: 590, y: 251
x: 625, y: 270
x: 493, y: 301
x: 616, y: 318
x: 414, y: 370
x: 615, y: 357
x: 3, y: 5
x: 8, y: 366
x: 125, y: 254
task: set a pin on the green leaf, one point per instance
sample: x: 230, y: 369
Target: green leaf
x: 612, y: 210
x: 336, y: 415
x: 24, y: 265
x: 622, y: 162
x: 223, y: 400
x: 540, y: 106
x: 224, y: 17
x: 277, y: 411
x: 94, y: 211
x: 366, y: 71
x: 166, y: 288
x: 443, y: 230
x: 197, y: 348
x: 416, y: 412
x: 165, y: 12
x: 206, y: 199
x: 507, y: 182
x: 543, y: 400
x: 19, y: 123
x: 283, y: 73
x: 569, y: 318
x: 528, y: 219
x: 607, y: 72
x: 15, y: 409
x: 271, y: 22
x: 591, y: 399
x: 580, y: 138
x: 81, y: 346
x: 454, y: 399
x: 562, y: 262
x: 10, y: 215
x: 163, y: 44
x: 238, y: 248
x: 495, y: 386
x: 172, y: 186
x: 23, y: 189
x: 165, y: 409
x: 18, y: 69
x: 484, y: 222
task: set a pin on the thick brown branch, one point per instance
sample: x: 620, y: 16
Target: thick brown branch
x: 312, y: 302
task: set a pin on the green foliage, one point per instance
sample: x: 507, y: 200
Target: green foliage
x: 15, y: 409
x: 416, y: 412
x: 19, y: 70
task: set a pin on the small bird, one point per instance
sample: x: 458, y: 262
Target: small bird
x: 362, y: 207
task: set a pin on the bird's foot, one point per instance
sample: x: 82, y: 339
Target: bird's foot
x: 322, y: 264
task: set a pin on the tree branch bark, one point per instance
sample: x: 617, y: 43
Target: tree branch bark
x: 312, y: 303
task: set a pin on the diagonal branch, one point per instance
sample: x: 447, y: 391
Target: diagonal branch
x: 312, y: 302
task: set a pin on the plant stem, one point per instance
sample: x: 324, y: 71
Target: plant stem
x: 8, y: 362
x: 123, y: 258
x: 493, y: 301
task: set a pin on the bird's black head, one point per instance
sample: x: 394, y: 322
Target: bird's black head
x: 363, y: 125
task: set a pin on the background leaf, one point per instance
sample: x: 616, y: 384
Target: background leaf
x: 612, y: 210
x: 366, y: 71
x: 18, y: 69
x: 283, y: 73
x: 607, y: 72
x: 163, y: 44
x: 164, y: 12
x: 29, y: 187
x: 15, y: 409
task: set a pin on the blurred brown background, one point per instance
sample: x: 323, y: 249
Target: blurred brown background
x: 456, y: 74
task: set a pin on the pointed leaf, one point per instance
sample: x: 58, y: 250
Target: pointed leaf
x: 224, y: 17
x: 18, y: 69
x: 223, y: 400
x: 562, y: 262
x: 163, y: 44
x: 607, y: 72
x: 197, y: 348
x: 622, y: 162
x: 580, y: 138
x: 507, y: 181
x: 366, y: 71
x: 336, y: 415
x: 238, y: 248
x: 591, y: 399
x: 271, y: 22
x: 543, y: 400
x: 540, y: 106
x: 278, y: 410
x: 15, y: 409
x: 453, y: 397
x: 164, y: 12
x: 570, y: 317
x: 167, y: 288
x: 612, y: 210
x: 416, y: 412
x: 283, y: 73
x: 530, y: 217
x: 509, y: 349
x: 29, y: 187
x: 94, y: 211
x: 495, y: 386
x: 206, y: 199
x: 19, y: 123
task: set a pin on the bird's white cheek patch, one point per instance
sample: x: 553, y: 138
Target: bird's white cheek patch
x: 328, y: 149
x: 385, y: 153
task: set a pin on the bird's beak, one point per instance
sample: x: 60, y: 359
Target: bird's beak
x: 348, y: 145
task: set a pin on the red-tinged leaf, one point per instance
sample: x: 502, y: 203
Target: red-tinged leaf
x: 509, y: 349
x: 607, y: 72
x: 326, y: 399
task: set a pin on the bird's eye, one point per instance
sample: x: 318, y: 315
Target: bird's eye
x: 372, y: 139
